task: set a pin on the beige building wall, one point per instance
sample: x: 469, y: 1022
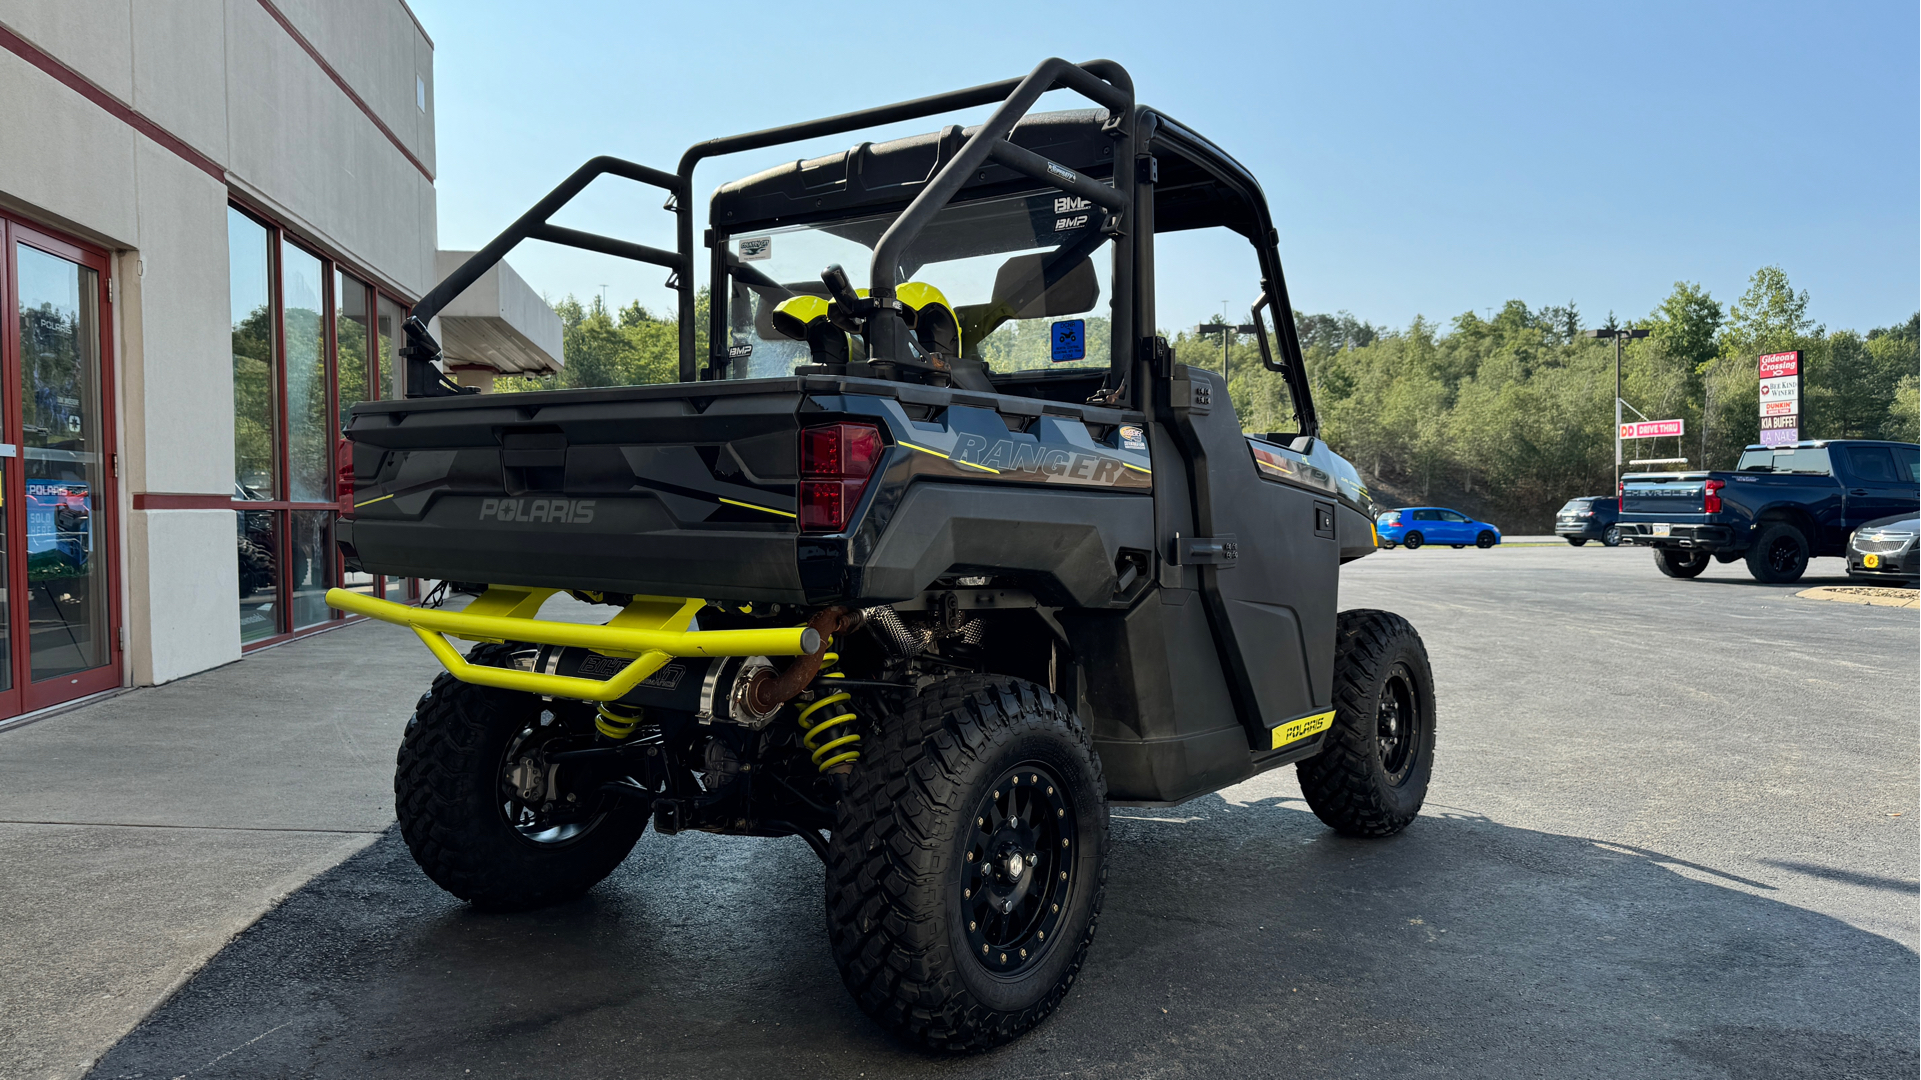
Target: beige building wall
x: 233, y: 104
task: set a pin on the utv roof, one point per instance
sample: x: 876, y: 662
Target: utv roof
x: 875, y: 176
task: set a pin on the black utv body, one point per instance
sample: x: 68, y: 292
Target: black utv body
x: 941, y: 580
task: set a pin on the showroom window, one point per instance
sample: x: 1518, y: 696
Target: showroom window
x: 310, y: 339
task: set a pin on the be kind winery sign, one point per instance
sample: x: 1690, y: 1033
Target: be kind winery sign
x: 1780, y: 397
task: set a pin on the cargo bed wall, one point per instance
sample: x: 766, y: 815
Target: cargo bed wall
x: 662, y: 493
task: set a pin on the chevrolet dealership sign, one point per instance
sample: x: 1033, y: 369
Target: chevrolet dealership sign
x: 1780, y: 397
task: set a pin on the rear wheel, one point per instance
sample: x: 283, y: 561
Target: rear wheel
x: 1413, y: 540
x: 1485, y: 540
x: 484, y: 812
x: 1677, y: 563
x: 1779, y: 554
x: 1612, y: 537
x: 1371, y: 775
x: 1577, y: 541
x: 966, y: 870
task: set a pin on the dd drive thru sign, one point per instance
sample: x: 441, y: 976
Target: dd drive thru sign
x: 1780, y: 397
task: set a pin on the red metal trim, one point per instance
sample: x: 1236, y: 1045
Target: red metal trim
x: 302, y: 41
x: 167, y: 500
x: 76, y: 82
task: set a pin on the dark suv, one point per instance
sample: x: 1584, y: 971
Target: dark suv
x: 1590, y: 517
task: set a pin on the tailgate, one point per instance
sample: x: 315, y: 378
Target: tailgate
x: 1662, y: 496
x: 650, y: 490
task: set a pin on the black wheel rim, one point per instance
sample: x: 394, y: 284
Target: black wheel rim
x: 1783, y: 553
x: 531, y: 800
x: 1397, y: 725
x: 1017, y: 869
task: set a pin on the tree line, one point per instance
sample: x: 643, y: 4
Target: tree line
x: 1507, y: 415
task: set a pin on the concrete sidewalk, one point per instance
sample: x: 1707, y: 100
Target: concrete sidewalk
x: 140, y: 834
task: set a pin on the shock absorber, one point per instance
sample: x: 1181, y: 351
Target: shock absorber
x: 617, y: 721
x: 830, y: 738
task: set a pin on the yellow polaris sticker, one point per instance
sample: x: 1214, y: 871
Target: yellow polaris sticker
x: 1295, y: 730
x: 1870, y: 561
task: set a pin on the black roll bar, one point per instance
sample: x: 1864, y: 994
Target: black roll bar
x: 1103, y: 81
x: 421, y: 350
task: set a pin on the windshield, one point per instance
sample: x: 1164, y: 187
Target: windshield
x: 1812, y: 460
x: 1019, y: 278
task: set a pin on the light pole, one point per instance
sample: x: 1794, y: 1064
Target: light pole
x: 1618, y: 334
x: 1226, y: 332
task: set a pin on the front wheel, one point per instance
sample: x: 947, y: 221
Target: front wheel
x: 485, y: 812
x: 1413, y: 540
x: 1779, y: 554
x: 968, y: 862
x: 1371, y: 775
x: 1677, y: 563
x: 1577, y: 541
x: 1485, y: 540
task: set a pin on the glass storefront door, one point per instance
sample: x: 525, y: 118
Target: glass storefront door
x: 57, y: 617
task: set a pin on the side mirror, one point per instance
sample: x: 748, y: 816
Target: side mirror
x: 1022, y: 287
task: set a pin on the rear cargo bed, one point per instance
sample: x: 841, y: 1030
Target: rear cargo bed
x: 637, y: 489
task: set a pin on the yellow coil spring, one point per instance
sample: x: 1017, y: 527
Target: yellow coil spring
x: 617, y: 721
x: 824, y: 752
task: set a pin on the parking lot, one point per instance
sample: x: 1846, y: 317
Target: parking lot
x: 1671, y: 833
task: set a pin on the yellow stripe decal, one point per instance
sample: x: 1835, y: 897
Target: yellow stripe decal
x: 955, y: 460
x: 751, y: 506
x: 1295, y: 730
x: 370, y: 502
x: 1138, y: 469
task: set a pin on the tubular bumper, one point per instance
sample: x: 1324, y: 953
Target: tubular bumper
x: 645, y: 630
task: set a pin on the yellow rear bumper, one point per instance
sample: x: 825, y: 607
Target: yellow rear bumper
x: 652, y: 630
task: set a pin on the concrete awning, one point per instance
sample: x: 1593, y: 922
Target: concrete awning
x: 499, y: 325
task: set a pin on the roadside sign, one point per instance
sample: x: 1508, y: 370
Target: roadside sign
x: 1780, y: 396
x: 1653, y: 429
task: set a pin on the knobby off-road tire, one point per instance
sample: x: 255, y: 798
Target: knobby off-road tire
x: 1677, y: 563
x: 916, y: 873
x: 1779, y: 554
x: 1371, y: 775
x: 451, y: 792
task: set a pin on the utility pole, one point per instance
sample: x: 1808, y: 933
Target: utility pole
x: 1617, y: 335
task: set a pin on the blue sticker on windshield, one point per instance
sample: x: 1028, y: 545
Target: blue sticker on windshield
x: 1070, y: 340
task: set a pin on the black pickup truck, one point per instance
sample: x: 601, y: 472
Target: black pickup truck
x: 1781, y: 506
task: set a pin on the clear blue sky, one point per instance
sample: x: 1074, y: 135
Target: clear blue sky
x: 1419, y: 158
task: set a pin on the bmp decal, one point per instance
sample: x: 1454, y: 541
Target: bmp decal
x: 552, y: 511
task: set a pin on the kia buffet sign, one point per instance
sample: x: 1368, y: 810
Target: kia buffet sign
x: 1653, y: 429
x: 1780, y: 394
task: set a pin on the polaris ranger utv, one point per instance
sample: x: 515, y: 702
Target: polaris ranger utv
x: 928, y: 574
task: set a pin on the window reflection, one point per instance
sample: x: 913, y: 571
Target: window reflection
x: 259, y: 575
x: 312, y: 569
x: 250, y: 301
x: 310, y: 431
x: 60, y: 412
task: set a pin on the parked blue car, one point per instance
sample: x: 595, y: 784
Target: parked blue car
x: 1413, y: 526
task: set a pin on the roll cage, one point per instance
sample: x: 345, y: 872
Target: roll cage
x: 1157, y: 169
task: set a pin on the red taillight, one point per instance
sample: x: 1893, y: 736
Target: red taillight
x: 1394, y: 518
x: 1711, y: 501
x: 839, y: 450
x: 344, y: 474
x: 836, y: 461
x: 1620, y: 496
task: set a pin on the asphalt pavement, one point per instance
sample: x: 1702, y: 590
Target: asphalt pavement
x: 1672, y: 833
